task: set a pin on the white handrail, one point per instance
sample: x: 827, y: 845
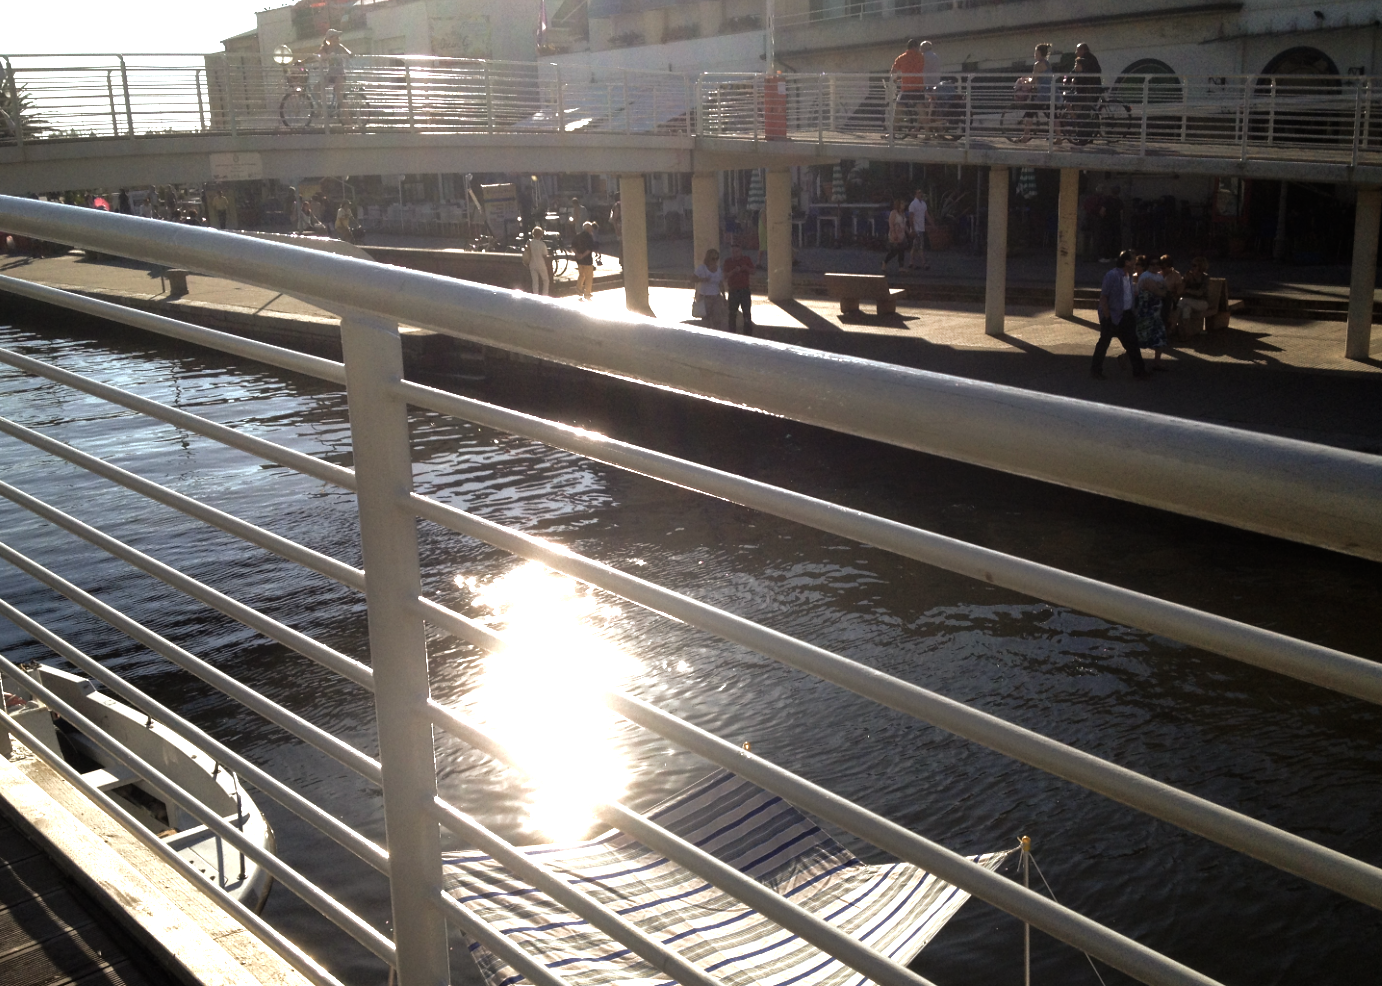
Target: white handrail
x: 1278, y: 486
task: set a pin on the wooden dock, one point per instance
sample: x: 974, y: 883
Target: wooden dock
x: 53, y: 934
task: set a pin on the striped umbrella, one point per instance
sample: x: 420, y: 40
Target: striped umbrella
x: 758, y: 198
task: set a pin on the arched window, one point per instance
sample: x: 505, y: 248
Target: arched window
x: 1301, y: 61
x: 1159, y: 79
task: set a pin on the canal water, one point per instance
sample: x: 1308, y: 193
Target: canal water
x: 1292, y: 755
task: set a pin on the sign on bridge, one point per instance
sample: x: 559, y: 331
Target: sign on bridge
x: 240, y: 166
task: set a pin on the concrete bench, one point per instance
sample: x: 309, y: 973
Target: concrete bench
x: 853, y: 288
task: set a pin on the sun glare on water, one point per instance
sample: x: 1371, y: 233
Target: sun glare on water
x: 541, y: 696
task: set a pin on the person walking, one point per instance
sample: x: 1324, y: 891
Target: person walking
x: 897, y: 237
x: 583, y: 246
x: 1116, y: 318
x: 908, y: 74
x: 220, y: 209
x: 709, y: 285
x: 738, y: 279
x: 345, y: 222
x: 1151, y: 293
x: 916, y: 213
x: 539, y: 261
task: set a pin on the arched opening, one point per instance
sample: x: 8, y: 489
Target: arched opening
x: 1301, y: 61
x: 1160, y: 81
x: 1294, y: 100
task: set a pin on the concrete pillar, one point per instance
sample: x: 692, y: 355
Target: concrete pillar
x: 1067, y: 232
x: 1364, y: 280
x: 779, y: 206
x: 996, y: 276
x: 633, y: 215
x: 705, y: 213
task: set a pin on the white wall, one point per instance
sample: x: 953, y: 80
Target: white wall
x: 723, y: 53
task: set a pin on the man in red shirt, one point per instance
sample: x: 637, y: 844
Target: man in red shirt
x: 738, y: 270
x: 910, y: 73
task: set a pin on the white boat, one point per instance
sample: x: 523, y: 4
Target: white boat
x: 194, y: 770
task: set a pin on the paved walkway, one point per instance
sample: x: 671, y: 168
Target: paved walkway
x: 1284, y: 376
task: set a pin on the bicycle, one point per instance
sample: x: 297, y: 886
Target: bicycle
x: 940, y: 113
x: 1078, y: 121
x: 301, y: 106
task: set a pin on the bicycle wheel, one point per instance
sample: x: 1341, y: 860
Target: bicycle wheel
x: 353, y: 111
x: 1080, y: 126
x: 298, y: 110
x: 1115, y: 121
x: 561, y: 262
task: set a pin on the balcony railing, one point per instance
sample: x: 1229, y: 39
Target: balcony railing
x: 1287, y: 488
x: 1327, y: 119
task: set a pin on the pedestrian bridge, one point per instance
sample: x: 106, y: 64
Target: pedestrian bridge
x: 101, y: 121
x: 111, y: 121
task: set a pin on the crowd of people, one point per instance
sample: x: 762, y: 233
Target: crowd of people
x: 1143, y: 302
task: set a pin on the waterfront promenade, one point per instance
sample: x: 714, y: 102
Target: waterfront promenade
x: 1280, y: 375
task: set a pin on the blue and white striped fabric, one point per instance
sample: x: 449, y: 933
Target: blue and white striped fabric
x: 895, y: 908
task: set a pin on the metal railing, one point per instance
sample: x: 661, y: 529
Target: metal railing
x: 1326, y: 118
x: 1281, y: 486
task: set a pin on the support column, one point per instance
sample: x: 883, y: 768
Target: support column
x: 1067, y: 234
x: 779, y: 206
x: 1279, y: 243
x: 1364, y: 280
x: 996, y: 276
x: 633, y: 234
x: 397, y: 643
x: 705, y: 213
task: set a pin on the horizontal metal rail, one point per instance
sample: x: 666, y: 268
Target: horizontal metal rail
x: 811, y: 928
x: 667, y: 961
x: 1069, y: 926
x: 256, y: 925
x: 270, y: 451
x: 483, y: 933
x: 1277, y: 486
x: 301, y: 643
x: 326, y: 905
x: 1261, y: 648
x: 332, y: 568
x: 343, y: 834
x: 1288, y: 852
x: 286, y: 359
x: 313, y: 735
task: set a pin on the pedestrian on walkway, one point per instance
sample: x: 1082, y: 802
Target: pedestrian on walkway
x: 220, y: 209
x: 738, y: 279
x: 897, y: 236
x: 916, y: 214
x: 1151, y: 326
x: 539, y: 261
x: 709, y: 288
x: 583, y: 246
x: 345, y: 222
x: 1116, y: 318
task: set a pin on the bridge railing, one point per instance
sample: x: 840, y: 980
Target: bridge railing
x: 1330, y: 118
x: 1311, y: 493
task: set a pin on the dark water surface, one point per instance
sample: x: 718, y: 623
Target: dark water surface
x: 1284, y: 752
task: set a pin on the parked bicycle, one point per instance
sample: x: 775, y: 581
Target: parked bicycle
x: 1079, y: 121
x: 309, y: 102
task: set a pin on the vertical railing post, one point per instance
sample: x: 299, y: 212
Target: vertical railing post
x: 834, y: 93
x: 129, y: 108
x: 408, y: 88
x: 489, y: 98
x: 1271, y: 113
x: 1184, y: 108
x: 628, y: 106
x: 397, y: 642
x: 1357, y: 123
x: 561, y: 104
x: 820, y: 109
x: 691, y: 97
x: 700, y: 105
x: 110, y: 94
x: 1365, y: 129
x: 969, y: 110
x: 201, y: 105
x: 1146, y: 92
x: 1051, y: 115
x: 1247, y: 109
x: 653, y: 128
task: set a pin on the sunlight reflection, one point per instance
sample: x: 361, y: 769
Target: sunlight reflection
x: 541, y: 697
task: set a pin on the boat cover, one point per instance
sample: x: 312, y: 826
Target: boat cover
x: 895, y: 908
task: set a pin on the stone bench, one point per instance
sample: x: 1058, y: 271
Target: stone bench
x: 851, y: 289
